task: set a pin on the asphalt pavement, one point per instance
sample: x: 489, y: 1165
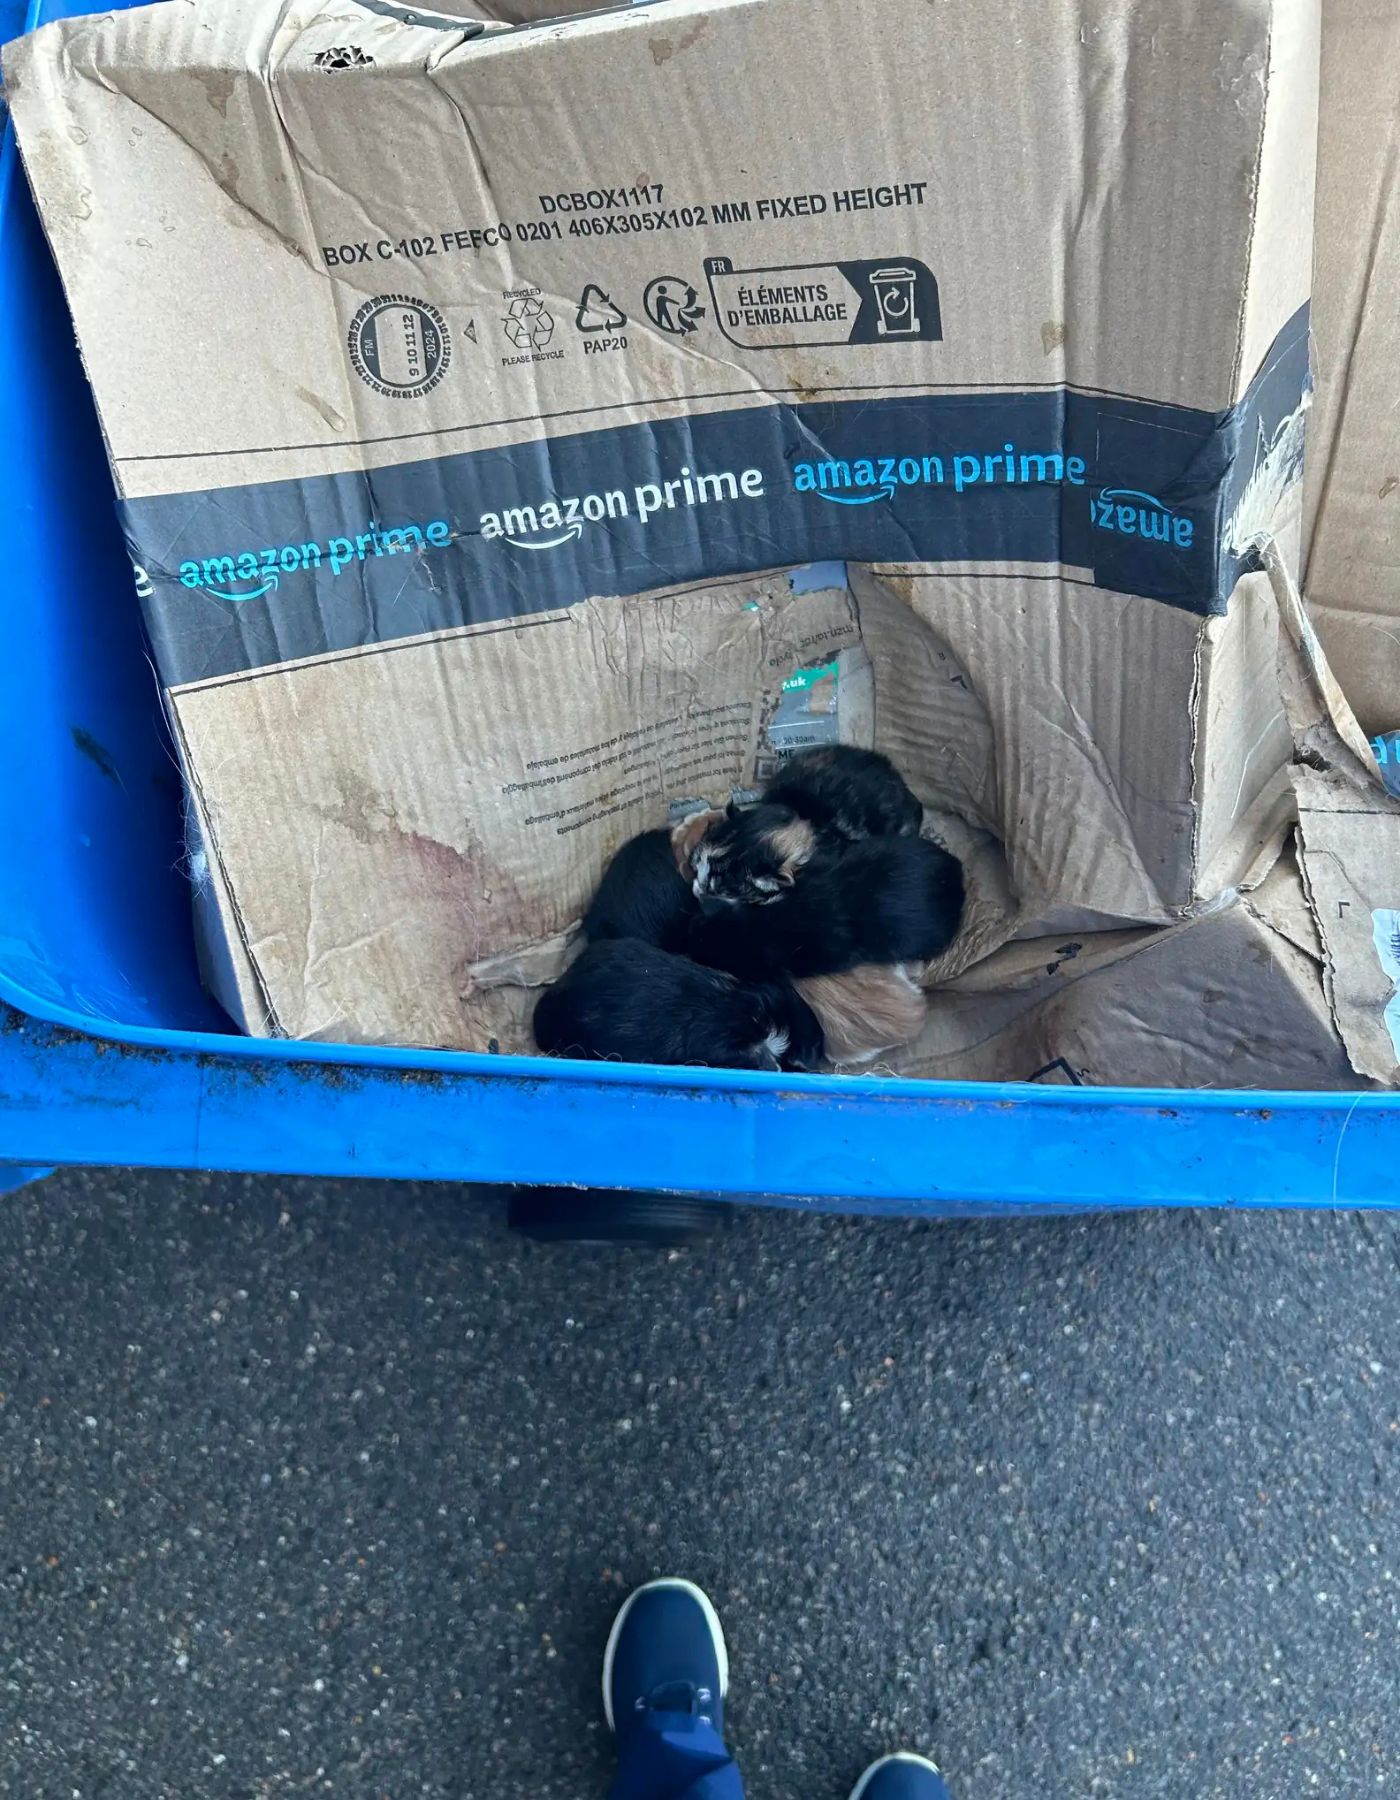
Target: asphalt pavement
x: 333, y: 1488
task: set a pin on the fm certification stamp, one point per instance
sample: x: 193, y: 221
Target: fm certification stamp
x: 400, y: 346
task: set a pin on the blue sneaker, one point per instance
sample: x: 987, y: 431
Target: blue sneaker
x: 902, y: 1776
x: 665, y: 1654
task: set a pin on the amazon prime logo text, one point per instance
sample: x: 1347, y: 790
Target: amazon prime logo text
x: 860, y: 480
x: 239, y: 575
x: 559, y: 519
x: 1129, y: 512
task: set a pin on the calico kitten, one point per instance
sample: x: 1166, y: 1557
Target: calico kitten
x: 824, y: 795
x: 623, y: 1000
x: 751, y: 854
x: 880, y: 900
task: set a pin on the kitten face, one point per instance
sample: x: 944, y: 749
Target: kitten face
x: 750, y: 856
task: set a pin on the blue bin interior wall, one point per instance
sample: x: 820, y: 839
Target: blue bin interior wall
x: 94, y: 908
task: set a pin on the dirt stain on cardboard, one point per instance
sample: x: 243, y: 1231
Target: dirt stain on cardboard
x: 218, y: 85
x: 663, y: 49
x: 464, y: 876
x: 1053, y: 334
x: 322, y: 407
x: 807, y: 379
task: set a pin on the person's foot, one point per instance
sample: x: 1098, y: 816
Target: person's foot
x: 665, y: 1654
x: 902, y: 1776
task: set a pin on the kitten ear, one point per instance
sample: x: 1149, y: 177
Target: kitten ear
x: 687, y: 837
x: 731, y: 812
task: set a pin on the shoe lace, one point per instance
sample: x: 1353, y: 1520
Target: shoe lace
x: 678, y: 1697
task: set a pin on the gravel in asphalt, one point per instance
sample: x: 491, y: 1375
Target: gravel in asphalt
x: 333, y: 1488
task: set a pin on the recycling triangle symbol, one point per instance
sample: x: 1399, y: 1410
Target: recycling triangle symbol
x: 596, y: 311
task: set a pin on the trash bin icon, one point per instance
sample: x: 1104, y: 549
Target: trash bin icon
x: 894, y: 299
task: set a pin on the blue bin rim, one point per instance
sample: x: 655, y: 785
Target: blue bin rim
x: 700, y: 1082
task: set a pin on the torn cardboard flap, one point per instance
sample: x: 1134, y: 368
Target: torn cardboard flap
x: 1226, y: 1000
x: 1350, y: 842
x: 1325, y: 730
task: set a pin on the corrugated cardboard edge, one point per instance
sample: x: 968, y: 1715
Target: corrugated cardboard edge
x: 1351, y: 872
x: 1348, y: 841
x: 226, y: 967
x: 1351, y: 575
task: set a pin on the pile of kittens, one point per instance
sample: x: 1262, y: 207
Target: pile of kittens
x: 773, y: 935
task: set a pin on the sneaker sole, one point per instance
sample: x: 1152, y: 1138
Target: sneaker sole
x: 711, y: 1619
x: 900, y: 1756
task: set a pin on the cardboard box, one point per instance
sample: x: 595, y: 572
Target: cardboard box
x: 456, y: 385
x: 1352, y: 569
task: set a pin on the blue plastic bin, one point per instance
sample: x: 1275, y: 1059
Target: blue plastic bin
x: 111, y: 1053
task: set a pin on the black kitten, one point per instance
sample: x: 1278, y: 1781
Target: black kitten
x: 881, y: 900
x: 626, y: 1001
x: 852, y: 792
x: 643, y: 895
